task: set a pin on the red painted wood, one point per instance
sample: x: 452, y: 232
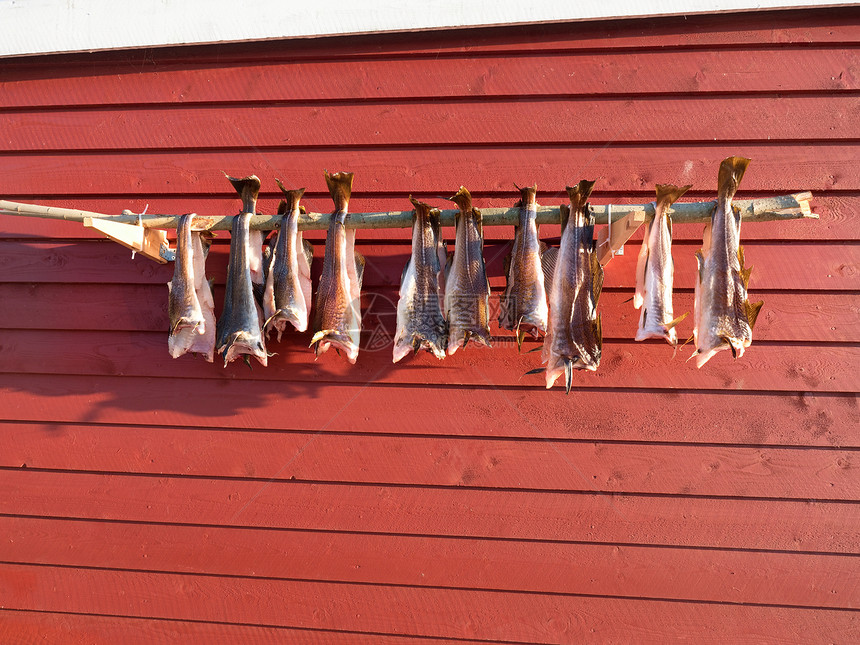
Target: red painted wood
x: 431, y: 612
x: 83, y: 629
x: 623, y: 364
x: 833, y: 267
x: 836, y: 214
x: 435, y: 169
x: 537, y: 463
x: 508, y: 122
x: 789, y: 316
x: 604, y: 570
x: 808, y: 418
x: 425, y: 75
x: 456, y: 511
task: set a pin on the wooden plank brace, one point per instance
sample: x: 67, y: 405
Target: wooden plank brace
x: 611, y: 240
x: 149, y: 242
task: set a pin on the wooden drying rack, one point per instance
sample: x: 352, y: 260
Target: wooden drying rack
x: 145, y: 234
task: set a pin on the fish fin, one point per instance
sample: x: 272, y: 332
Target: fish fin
x: 506, y: 263
x: 320, y: 335
x: 521, y: 334
x: 282, y: 207
x: 579, y: 194
x: 359, y: 267
x: 753, y: 310
x: 596, y: 277
x: 405, y: 269
x: 448, y: 262
x: 247, y: 360
x: 340, y: 188
x: 248, y: 188
x: 624, y: 302
x: 700, y: 265
x: 598, y: 332
x: 537, y: 370
x: 729, y: 178
x: 672, y: 323
x: 564, y: 216
x: 568, y: 375
x: 668, y: 194
x: 292, y: 196
x: 669, y: 228
x: 536, y: 349
x: 463, y: 199
x: 548, y: 260
x: 542, y: 247
x: 745, y: 271
x: 309, y: 250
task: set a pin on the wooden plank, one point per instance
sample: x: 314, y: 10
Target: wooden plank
x: 623, y: 364
x: 810, y: 580
x: 630, y: 72
x: 85, y: 629
x: 788, y: 316
x: 807, y: 419
x: 777, y: 169
x: 535, y: 464
x: 830, y: 267
x: 835, y: 211
x: 766, y: 524
x: 441, y: 122
x: 438, y: 613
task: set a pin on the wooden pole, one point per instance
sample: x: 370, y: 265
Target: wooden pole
x: 784, y: 207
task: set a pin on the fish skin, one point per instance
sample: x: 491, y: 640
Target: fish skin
x: 574, y: 339
x: 467, y: 289
x: 524, y: 306
x: 337, y: 318
x: 184, y: 309
x: 724, y: 317
x: 421, y: 322
x: 239, y: 330
x: 655, y: 271
x: 204, y: 344
x: 287, y: 296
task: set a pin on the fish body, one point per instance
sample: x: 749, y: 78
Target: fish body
x: 287, y: 295
x: 190, y: 306
x: 655, y: 272
x: 524, y: 305
x: 724, y: 317
x: 420, y: 320
x: 239, y: 330
x: 467, y: 290
x: 337, y: 321
x: 574, y: 339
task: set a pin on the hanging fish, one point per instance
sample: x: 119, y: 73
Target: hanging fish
x: 574, y: 339
x: 467, y: 290
x: 287, y: 296
x: 337, y: 321
x: 190, y: 306
x: 524, y: 305
x: 655, y: 270
x: 420, y: 321
x: 239, y: 330
x: 724, y: 316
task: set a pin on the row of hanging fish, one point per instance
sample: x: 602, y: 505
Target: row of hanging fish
x: 444, y: 298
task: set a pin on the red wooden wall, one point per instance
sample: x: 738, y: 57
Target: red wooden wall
x: 147, y: 500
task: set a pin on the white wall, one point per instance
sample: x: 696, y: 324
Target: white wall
x: 43, y: 26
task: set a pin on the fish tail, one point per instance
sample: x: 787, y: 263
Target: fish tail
x: 248, y: 189
x: 422, y: 210
x: 579, y: 194
x: 528, y: 195
x: 340, y: 188
x: 730, y: 175
x: 463, y: 199
x: 668, y: 194
x: 292, y: 197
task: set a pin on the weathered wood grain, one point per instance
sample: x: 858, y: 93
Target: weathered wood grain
x: 425, y: 612
x: 503, y: 122
x: 783, y: 525
x: 814, y: 580
x: 534, y: 464
x: 733, y: 417
x: 423, y: 75
x: 481, y: 169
